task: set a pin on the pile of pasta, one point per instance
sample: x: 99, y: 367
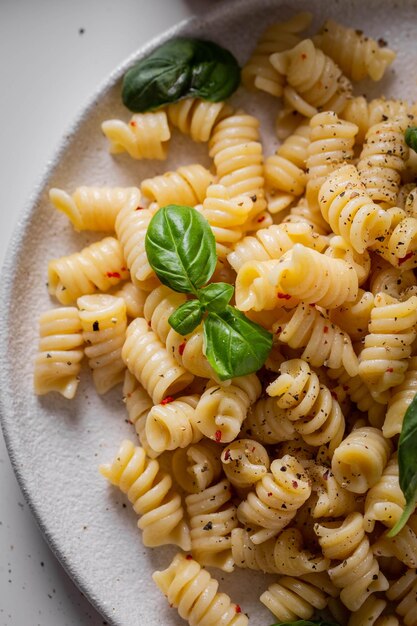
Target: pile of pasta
x: 291, y: 470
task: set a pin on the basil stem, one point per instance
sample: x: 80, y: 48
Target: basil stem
x: 177, y: 69
x: 411, y: 137
x: 235, y: 346
x: 181, y: 248
x: 187, y: 317
x: 407, y: 465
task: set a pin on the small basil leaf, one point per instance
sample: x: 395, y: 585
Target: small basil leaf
x: 411, y: 137
x: 180, y: 68
x: 181, y: 248
x: 216, y: 297
x: 186, y: 317
x: 235, y: 346
x: 303, y: 622
x: 407, y: 447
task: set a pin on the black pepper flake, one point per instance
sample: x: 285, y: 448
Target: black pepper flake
x: 208, y: 526
x: 96, y: 325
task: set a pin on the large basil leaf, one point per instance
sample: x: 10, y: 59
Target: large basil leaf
x: 179, y: 68
x: 216, y: 297
x: 234, y: 345
x: 407, y: 463
x: 411, y: 137
x: 303, y: 622
x: 181, y: 248
x: 186, y: 317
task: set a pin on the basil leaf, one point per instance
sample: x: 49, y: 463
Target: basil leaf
x: 181, y: 248
x: 234, y: 345
x: 411, y: 137
x: 186, y: 317
x: 407, y: 447
x: 179, y: 68
x: 216, y: 297
x: 303, y: 622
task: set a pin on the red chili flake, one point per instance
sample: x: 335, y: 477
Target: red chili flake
x: 261, y: 219
x: 238, y: 609
x: 294, y: 484
x: 227, y: 454
x: 132, y: 123
x: 139, y: 208
x: 113, y: 274
x: 218, y: 436
x: 269, y: 494
x: 188, y: 557
x: 325, y: 329
x: 123, y: 269
x: 312, y: 304
x: 149, y: 323
x: 278, y: 330
x: 283, y: 296
x: 389, y: 369
x: 167, y: 400
x: 303, y: 56
x: 181, y: 348
x: 405, y: 258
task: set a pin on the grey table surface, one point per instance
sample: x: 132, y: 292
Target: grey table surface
x: 53, y: 55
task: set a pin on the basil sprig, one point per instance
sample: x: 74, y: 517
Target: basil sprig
x: 407, y: 447
x: 411, y: 137
x: 181, y: 249
x: 303, y: 622
x: 180, y: 68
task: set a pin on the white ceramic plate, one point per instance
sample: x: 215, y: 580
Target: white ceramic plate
x: 56, y: 445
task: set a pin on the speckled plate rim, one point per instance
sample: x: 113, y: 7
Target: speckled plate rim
x: 14, y: 250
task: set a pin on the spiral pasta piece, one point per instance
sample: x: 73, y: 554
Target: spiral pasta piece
x: 291, y: 598
x: 244, y: 461
x: 401, y: 398
x: 329, y: 498
x: 150, y: 491
x: 194, y: 593
x: 212, y: 519
x: 238, y: 158
x: 225, y: 214
x: 313, y: 80
x: 149, y: 361
x: 273, y: 242
x: 187, y: 185
x: 144, y: 137
x: 358, y: 55
x: 354, y: 317
x: 195, y: 468
x: 258, y: 72
x: 392, y: 281
x: 134, y: 298
x: 403, y: 546
x: 131, y: 225
x: 359, y: 393
x: 249, y: 555
x: 331, y: 145
x: 315, y: 414
x: 399, y: 247
x: 349, y: 210
x: 358, y: 574
x: 392, y: 329
x: 103, y: 320
x: 267, y: 423
x: 403, y: 594
x: 358, y: 462
x: 382, y: 160
x: 385, y: 501
x: 222, y: 409
x: 61, y: 349
x: 138, y: 404
x: 159, y: 305
x: 92, y: 208
x: 365, y: 114
x: 368, y: 613
x: 276, y: 498
x: 188, y: 351
x: 196, y: 117
x: 307, y: 275
x: 285, y: 170
x: 172, y: 425
x: 324, y: 343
